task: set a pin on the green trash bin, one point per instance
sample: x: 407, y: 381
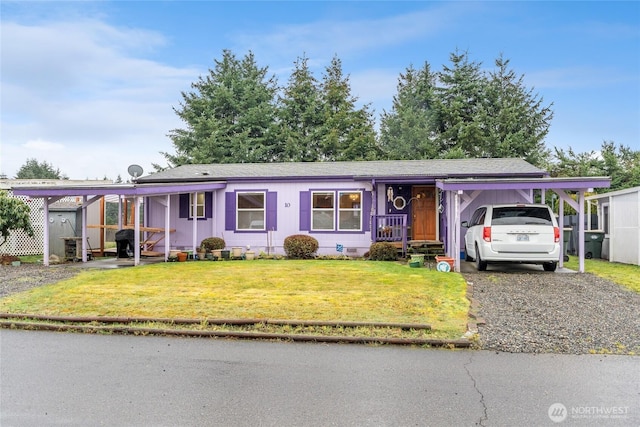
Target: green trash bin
x: 593, y: 243
x: 565, y: 240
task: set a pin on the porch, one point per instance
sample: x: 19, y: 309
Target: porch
x: 393, y: 228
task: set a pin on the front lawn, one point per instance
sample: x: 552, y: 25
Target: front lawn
x: 362, y: 291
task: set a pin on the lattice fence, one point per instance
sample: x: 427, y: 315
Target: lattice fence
x: 19, y: 243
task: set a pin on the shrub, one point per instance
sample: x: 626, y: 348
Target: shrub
x: 211, y: 243
x: 300, y: 246
x: 383, y: 251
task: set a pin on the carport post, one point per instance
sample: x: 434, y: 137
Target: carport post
x: 456, y: 233
x: 46, y: 248
x: 84, y: 229
x: 563, y: 250
x: 581, y: 231
x: 194, y: 215
x: 136, y: 227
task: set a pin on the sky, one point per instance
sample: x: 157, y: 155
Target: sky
x: 91, y: 87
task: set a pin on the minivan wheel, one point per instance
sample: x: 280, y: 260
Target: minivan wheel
x: 550, y: 266
x: 480, y: 265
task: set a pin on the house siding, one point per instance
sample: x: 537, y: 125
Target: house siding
x: 285, y: 202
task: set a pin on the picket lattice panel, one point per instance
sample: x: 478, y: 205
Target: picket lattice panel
x: 19, y: 243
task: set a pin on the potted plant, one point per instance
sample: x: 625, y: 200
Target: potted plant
x: 249, y: 254
x: 214, y: 245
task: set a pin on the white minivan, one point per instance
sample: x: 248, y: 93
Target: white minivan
x: 522, y: 233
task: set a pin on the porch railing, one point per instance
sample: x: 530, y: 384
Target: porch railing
x: 390, y: 228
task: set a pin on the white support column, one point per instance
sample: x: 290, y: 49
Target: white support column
x: 120, y: 212
x: 563, y: 250
x: 194, y: 234
x: 456, y: 232
x: 581, y: 231
x: 136, y: 228
x: 167, y: 233
x: 84, y: 229
x: 46, y: 248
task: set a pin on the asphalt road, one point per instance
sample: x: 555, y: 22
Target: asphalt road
x: 50, y: 378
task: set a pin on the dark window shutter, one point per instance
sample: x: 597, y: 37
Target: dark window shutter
x: 230, y: 210
x: 305, y: 210
x: 272, y: 210
x: 208, y: 204
x: 366, y: 210
x: 184, y: 206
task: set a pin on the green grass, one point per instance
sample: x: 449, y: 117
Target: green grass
x: 623, y: 274
x: 31, y: 259
x: 267, y: 289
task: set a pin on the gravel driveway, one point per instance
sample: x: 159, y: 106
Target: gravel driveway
x: 540, y: 312
x: 524, y: 312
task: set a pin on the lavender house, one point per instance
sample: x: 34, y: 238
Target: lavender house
x: 346, y: 206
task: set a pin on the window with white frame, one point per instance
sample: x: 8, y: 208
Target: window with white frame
x: 325, y: 212
x: 322, y: 210
x: 350, y: 210
x: 250, y: 210
x: 199, y: 205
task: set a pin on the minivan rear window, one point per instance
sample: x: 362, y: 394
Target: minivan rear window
x: 521, y: 215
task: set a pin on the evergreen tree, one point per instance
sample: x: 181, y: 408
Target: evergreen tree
x: 347, y: 132
x: 460, y: 108
x: 32, y: 169
x: 407, y: 132
x: 300, y: 116
x: 229, y: 115
x: 515, y: 121
x: 622, y: 164
x: 619, y: 162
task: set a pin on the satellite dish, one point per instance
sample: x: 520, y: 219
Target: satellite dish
x: 135, y: 171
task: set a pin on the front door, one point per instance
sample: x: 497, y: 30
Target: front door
x: 423, y: 213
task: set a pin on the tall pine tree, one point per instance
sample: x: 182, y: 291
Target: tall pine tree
x: 461, y: 95
x: 515, y: 121
x: 229, y: 115
x: 347, y: 132
x: 407, y: 131
x: 301, y: 116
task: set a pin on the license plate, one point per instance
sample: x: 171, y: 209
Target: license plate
x: 522, y: 238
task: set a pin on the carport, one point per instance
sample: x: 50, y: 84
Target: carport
x: 459, y: 193
x: 93, y: 193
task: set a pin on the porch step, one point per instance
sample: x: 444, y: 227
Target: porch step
x: 430, y: 248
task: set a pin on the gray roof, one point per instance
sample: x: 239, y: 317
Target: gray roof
x: 383, y: 169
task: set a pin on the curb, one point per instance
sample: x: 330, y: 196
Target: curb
x: 65, y: 326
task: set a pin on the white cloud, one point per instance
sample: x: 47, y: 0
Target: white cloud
x: 41, y: 145
x: 321, y: 39
x: 76, y: 95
